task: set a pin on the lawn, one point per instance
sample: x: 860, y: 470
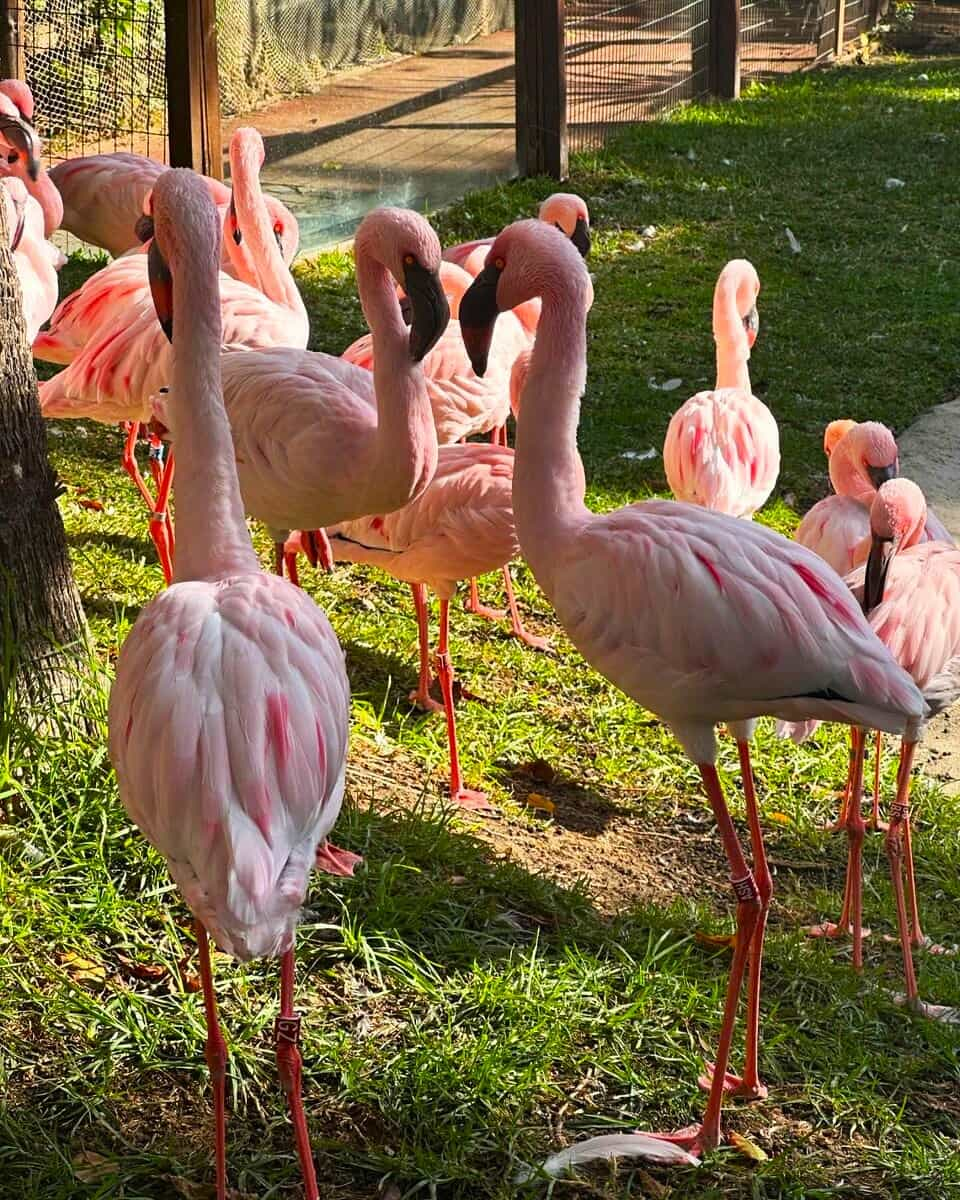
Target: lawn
x: 487, y: 990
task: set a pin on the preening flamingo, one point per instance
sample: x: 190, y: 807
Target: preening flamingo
x: 230, y: 711
x: 722, y: 448
x: 103, y: 197
x: 319, y: 441
x: 460, y: 526
x: 20, y: 151
x: 910, y: 591
x: 698, y: 616
x: 33, y: 256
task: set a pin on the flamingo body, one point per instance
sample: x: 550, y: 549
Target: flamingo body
x: 33, y: 256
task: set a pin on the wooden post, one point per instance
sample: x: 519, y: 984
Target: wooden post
x: 12, y: 65
x: 193, y: 86
x: 541, y: 88
x: 841, y: 22
x: 725, y: 49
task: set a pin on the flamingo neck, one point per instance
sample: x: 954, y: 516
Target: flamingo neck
x: 733, y: 349
x: 213, y: 541
x: 275, y: 280
x: 847, y: 477
x: 44, y: 191
x: 548, y: 481
x: 404, y: 454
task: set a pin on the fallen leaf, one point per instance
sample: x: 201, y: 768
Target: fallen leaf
x: 653, y: 1187
x: 725, y: 940
x: 82, y: 970
x: 148, y: 972
x: 191, y: 982
x: 539, y: 769
x: 88, y: 1166
x: 780, y: 818
x: 747, y: 1148
x: 94, y: 504
x: 536, y: 800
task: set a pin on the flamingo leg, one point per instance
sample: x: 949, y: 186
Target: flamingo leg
x: 896, y: 852
x: 875, y: 823
x: 748, y: 1086
x: 161, y: 529
x: 465, y: 797
x: 334, y: 861
x: 707, y: 1135
x: 129, y: 461
x: 290, y: 1068
x: 516, y: 625
x: 841, y: 820
x: 216, y: 1055
x: 472, y: 605
x: 420, y: 696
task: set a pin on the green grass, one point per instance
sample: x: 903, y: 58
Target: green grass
x: 467, y: 1013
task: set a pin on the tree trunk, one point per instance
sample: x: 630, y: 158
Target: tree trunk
x: 41, y: 619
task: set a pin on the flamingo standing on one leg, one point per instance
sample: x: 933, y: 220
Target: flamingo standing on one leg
x: 698, y: 616
x: 20, y: 151
x: 230, y: 711
x: 722, y: 448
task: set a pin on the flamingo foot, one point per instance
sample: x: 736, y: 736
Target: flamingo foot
x: 472, y: 800
x: 423, y: 700
x: 533, y: 640
x: 334, y: 861
x: 925, y: 942
x: 933, y: 1012
x: 316, y: 546
x: 485, y: 611
x: 733, y: 1085
x: 695, y: 1139
x: 829, y: 929
x: 877, y: 826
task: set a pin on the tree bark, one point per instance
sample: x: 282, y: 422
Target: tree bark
x: 42, y: 625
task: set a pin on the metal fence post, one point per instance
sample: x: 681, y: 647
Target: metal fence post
x: 725, y: 49
x: 541, y: 88
x: 12, y: 65
x: 193, y: 86
x: 841, y: 22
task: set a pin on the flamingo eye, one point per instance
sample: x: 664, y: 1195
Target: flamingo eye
x: 278, y: 228
x: 499, y: 263
x: 409, y: 260
x: 13, y: 157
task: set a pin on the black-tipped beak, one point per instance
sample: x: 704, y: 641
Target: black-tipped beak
x: 875, y: 575
x: 429, y: 308
x: 751, y: 323
x: 144, y: 229
x: 478, y: 316
x: 880, y: 475
x: 161, y: 288
x: 18, y: 232
x: 581, y: 237
x: 23, y: 141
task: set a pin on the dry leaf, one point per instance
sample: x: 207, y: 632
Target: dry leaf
x: 653, y: 1187
x: 82, y: 970
x: 536, y: 800
x: 88, y: 1166
x: 725, y: 940
x: 148, y: 972
x: 94, y: 504
x: 539, y: 769
x: 747, y: 1148
x: 780, y: 818
x: 191, y: 981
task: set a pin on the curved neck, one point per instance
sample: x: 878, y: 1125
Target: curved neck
x: 847, y: 476
x: 275, y: 279
x: 548, y: 482
x: 44, y: 191
x: 239, y: 257
x: 404, y: 450
x: 733, y: 349
x: 213, y: 541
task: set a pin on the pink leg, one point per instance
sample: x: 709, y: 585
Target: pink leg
x: 161, y: 528
x: 841, y: 820
x: 319, y: 545
x: 216, y: 1054
x: 465, y: 797
x: 707, y: 1135
x: 749, y: 1086
x: 474, y: 606
x: 896, y: 847
x: 290, y: 1067
x: 160, y: 531
x: 421, y: 695
x: 875, y: 823
x: 290, y: 563
x: 334, y: 861
x: 516, y: 625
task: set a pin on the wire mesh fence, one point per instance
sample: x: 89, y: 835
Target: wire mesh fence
x: 924, y: 26
x: 627, y: 61
x: 97, y: 71
x: 785, y: 35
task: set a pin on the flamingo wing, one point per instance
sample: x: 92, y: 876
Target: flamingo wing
x: 837, y: 528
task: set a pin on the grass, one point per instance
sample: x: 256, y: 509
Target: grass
x: 481, y: 993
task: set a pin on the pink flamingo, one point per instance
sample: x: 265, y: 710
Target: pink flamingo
x: 910, y: 591
x: 460, y: 525
x: 722, y: 448
x: 230, y: 711
x: 20, y: 151
x: 320, y: 441
x: 122, y: 368
x: 103, y: 198
x: 698, y: 616
x: 33, y: 256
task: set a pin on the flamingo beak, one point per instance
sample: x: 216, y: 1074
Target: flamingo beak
x: 875, y: 576
x: 751, y: 323
x: 22, y: 140
x: 581, y: 237
x: 880, y: 475
x: 429, y: 307
x: 232, y: 223
x: 478, y: 316
x: 144, y: 228
x: 161, y: 288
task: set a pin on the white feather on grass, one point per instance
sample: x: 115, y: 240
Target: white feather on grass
x: 607, y: 1146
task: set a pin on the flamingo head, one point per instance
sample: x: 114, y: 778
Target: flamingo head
x: 405, y: 245
x: 528, y: 259
x: 185, y: 225
x: 863, y: 460
x: 19, y: 146
x: 571, y: 216
x: 738, y: 286
x: 833, y: 433
x: 897, y: 519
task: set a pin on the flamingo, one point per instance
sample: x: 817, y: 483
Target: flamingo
x: 460, y: 525
x: 722, y: 448
x: 103, y: 198
x: 699, y: 616
x: 20, y: 151
x: 33, y: 256
x: 320, y: 441
x: 229, y: 715
x: 126, y: 361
